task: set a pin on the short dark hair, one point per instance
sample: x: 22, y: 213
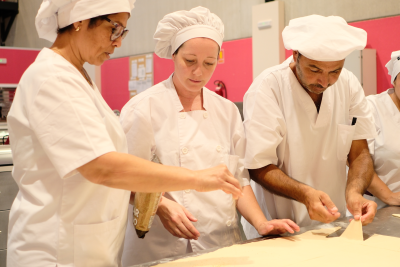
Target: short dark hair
x: 298, y: 56
x: 92, y: 24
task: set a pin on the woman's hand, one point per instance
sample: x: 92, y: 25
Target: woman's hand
x: 218, y: 177
x: 177, y: 220
x: 276, y: 227
x: 393, y: 199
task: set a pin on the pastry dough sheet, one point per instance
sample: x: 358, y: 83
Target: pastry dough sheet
x: 353, y: 231
x: 311, y: 249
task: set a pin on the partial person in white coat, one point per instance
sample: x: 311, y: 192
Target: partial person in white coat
x: 300, y: 125
x: 70, y: 152
x: 192, y: 127
x: 385, y: 148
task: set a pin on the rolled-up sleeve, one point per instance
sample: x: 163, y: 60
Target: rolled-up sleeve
x: 68, y: 125
x: 264, y: 125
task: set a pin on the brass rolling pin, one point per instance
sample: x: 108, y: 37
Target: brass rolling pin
x: 145, y: 207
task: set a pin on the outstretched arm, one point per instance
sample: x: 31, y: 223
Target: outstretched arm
x: 124, y: 171
x: 277, y: 182
x: 251, y: 211
x: 380, y: 190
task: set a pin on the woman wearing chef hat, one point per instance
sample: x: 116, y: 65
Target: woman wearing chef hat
x: 69, y: 149
x: 385, y: 148
x: 190, y: 126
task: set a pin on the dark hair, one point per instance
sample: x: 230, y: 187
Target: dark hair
x: 92, y: 24
x: 298, y: 56
x: 176, y: 51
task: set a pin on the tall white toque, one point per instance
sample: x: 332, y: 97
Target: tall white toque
x: 178, y: 27
x: 323, y: 38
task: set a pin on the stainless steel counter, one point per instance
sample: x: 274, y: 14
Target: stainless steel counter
x: 383, y: 224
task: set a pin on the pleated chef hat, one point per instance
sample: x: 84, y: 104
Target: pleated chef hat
x: 323, y: 38
x: 54, y: 14
x: 393, y: 65
x: 178, y: 27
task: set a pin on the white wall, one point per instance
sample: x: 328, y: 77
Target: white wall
x: 23, y: 32
x: 236, y: 15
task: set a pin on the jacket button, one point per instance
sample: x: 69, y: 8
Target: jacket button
x: 185, y: 150
x: 182, y: 115
x: 205, y: 115
x: 219, y: 148
x: 229, y: 223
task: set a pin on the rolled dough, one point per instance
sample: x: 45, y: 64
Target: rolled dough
x: 311, y: 249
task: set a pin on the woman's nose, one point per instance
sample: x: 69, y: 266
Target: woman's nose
x: 197, y: 71
x: 117, y: 42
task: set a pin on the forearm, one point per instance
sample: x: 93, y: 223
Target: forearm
x: 249, y: 208
x: 277, y: 182
x: 380, y: 190
x: 360, y: 173
x: 124, y: 171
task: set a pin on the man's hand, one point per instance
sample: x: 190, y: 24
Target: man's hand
x: 177, y: 220
x: 320, y: 207
x: 361, y: 208
x: 277, y: 227
x: 216, y: 178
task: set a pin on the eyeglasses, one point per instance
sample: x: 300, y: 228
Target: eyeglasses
x: 118, y: 31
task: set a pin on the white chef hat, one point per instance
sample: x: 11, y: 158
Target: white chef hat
x: 178, y: 27
x: 323, y: 38
x: 393, y: 65
x: 55, y: 14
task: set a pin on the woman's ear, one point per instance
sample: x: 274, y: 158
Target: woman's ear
x: 77, y: 25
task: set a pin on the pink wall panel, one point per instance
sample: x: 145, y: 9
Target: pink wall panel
x: 163, y: 68
x: 382, y: 36
x: 236, y: 71
x: 18, y: 60
x: 114, y: 82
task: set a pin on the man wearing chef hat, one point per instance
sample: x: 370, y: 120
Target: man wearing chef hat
x: 304, y: 119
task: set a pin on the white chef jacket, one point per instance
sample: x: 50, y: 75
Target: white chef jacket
x: 58, y: 123
x: 284, y: 128
x: 385, y: 148
x: 194, y: 140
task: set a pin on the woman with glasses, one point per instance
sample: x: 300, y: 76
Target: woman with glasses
x: 189, y: 126
x: 70, y: 152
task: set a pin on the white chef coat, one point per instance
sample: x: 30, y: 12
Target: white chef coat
x: 385, y: 148
x: 194, y: 140
x: 58, y: 123
x: 284, y: 128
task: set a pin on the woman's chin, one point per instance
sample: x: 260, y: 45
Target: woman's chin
x: 194, y: 87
